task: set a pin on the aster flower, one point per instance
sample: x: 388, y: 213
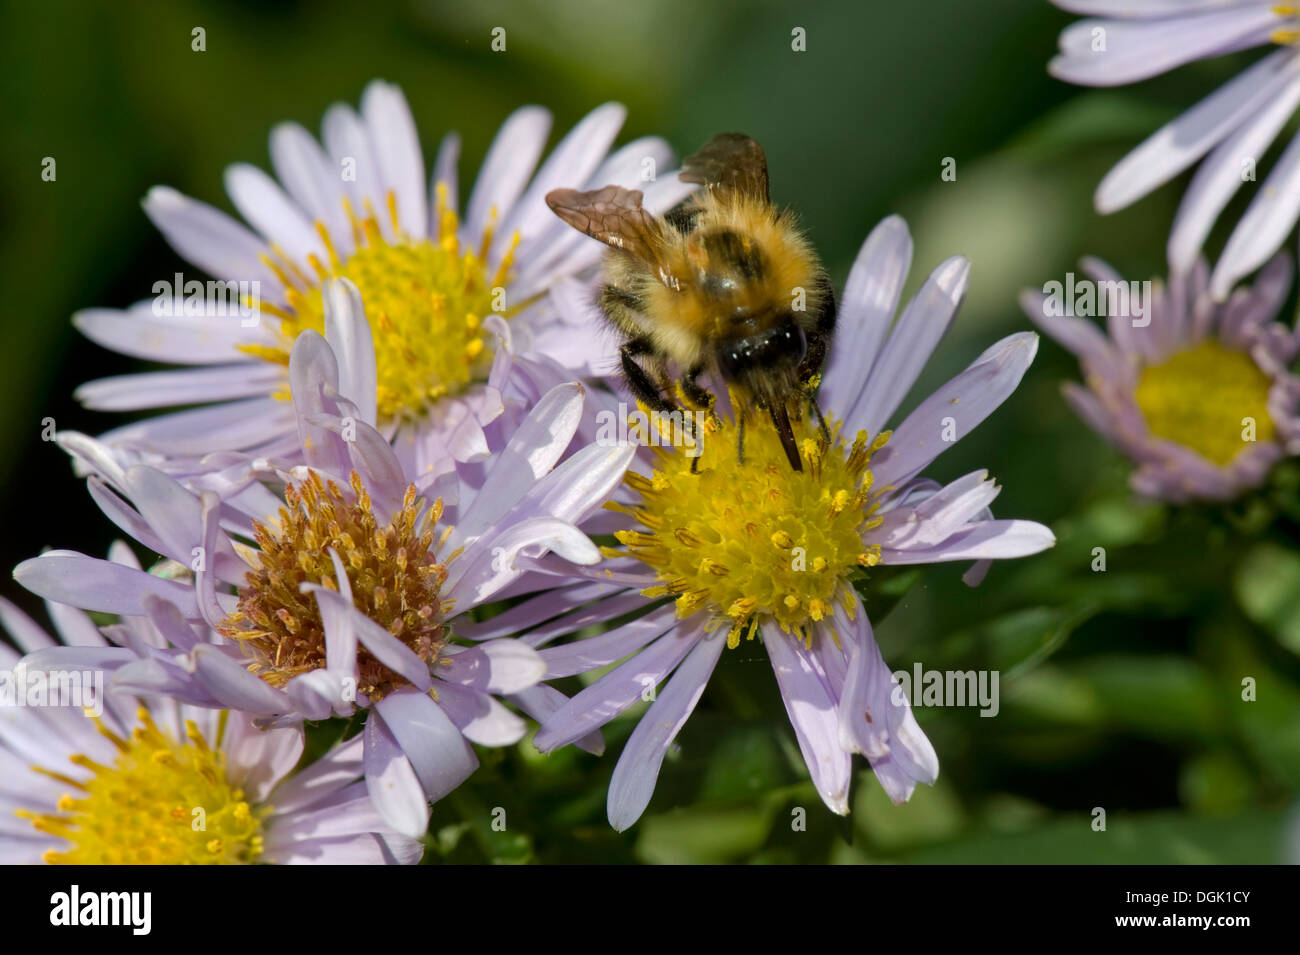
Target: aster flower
x: 441, y: 286
x: 1197, y: 393
x: 755, y: 550
x: 156, y: 782
x: 343, y: 590
x: 1131, y: 40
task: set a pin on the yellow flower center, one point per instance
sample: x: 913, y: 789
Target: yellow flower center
x: 754, y: 539
x: 394, y: 576
x: 163, y: 802
x: 1210, y: 399
x: 425, y: 300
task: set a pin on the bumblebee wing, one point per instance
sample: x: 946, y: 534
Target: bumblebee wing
x: 615, y: 216
x: 729, y: 161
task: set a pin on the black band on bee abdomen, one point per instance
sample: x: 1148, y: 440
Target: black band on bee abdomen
x: 780, y: 344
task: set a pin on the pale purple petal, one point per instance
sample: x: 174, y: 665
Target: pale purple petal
x: 508, y: 165
x: 264, y: 205
x: 306, y: 173
x: 865, y: 309
x: 495, y: 666
x: 235, y: 686
x: 1219, y: 177
x: 397, y: 150
x: 94, y: 584
x: 637, y: 770
x: 160, y: 389
x: 257, y: 759
x: 1264, y: 226
x: 439, y: 754
x: 909, y: 347
x: 590, y: 653
x: 985, y: 540
x: 1177, y: 145
x: 480, y: 718
x: 179, y: 339
x: 348, y: 333
x: 392, y: 783
x: 208, y: 237
x: 967, y: 400
x: 337, y: 769
x: 813, y: 713
x: 541, y: 701
x: 617, y: 690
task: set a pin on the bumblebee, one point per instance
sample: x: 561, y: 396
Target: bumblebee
x: 724, y: 284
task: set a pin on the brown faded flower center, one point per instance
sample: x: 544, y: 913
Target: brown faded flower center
x: 392, y: 570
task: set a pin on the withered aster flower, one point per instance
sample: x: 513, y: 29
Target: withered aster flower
x: 344, y: 589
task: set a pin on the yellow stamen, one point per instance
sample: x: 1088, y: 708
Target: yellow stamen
x: 1208, y: 398
x: 755, y: 541
x: 425, y: 299
x: 163, y: 802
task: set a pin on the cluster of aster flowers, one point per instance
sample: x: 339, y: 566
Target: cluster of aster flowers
x: 1197, y: 390
x: 408, y: 438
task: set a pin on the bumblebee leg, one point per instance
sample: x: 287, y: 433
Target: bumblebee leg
x: 819, y: 338
x: 740, y: 439
x: 640, y: 383
x: 694, y: 391
x: 647, y: 392
x: 700, y: 397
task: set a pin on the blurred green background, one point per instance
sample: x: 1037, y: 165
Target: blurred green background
x: 1120, y: 689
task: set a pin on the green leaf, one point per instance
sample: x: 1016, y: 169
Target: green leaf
x: 1166, y: 697
x: 746, y: 762
x: 1020, y: 641
x: 1216, y: 783
x: 933, y: 814
x: 884, y: 586
x: 703, y: 836
x: 1151, y: 839
x: 1051, y: 694
x: 1267, y: 584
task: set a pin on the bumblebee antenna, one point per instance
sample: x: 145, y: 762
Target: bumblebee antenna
x: 781, y: 418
